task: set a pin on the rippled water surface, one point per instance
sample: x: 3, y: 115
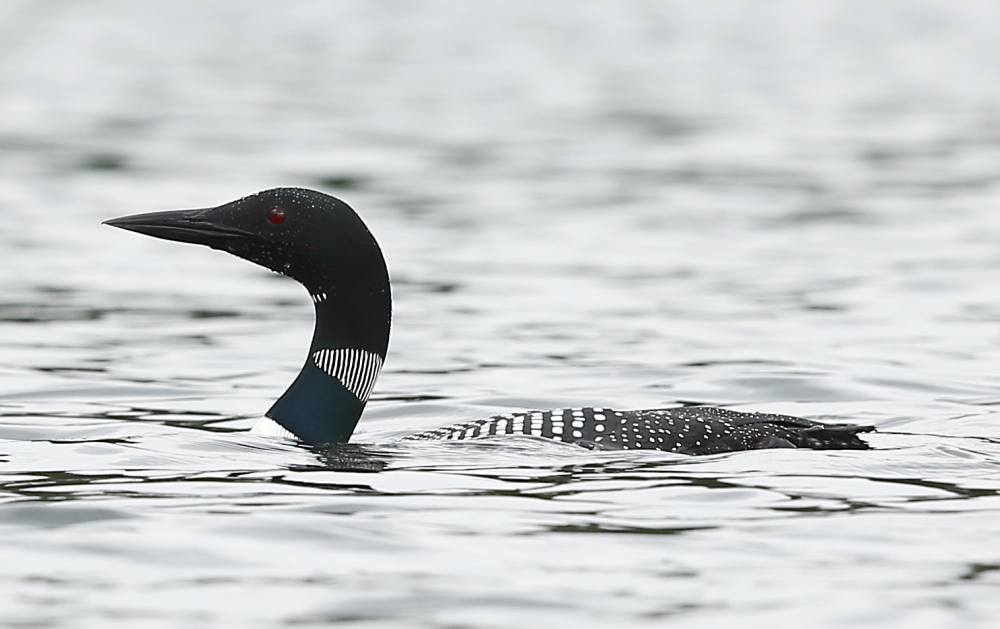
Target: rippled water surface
x: 772, y: 206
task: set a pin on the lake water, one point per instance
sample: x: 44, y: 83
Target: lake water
x: 776, y: 206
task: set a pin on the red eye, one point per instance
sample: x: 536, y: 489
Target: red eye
x: 276, y: 216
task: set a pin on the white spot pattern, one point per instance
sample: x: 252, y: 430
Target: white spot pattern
x: 687, y: 430
x: 357, y: 369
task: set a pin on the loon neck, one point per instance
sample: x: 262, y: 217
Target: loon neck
x: 323, y: 244
x: 352, y: 318
x: 350, y: 339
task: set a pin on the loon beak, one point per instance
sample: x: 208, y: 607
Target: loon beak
x: 193, y: 226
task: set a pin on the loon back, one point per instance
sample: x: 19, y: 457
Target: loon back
x: 685, y: 430
x: 321, y: 242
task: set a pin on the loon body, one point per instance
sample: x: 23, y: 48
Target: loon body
x: 686, y: 430
x: 321, y: 242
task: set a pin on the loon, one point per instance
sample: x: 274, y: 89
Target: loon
x: 322, y: 243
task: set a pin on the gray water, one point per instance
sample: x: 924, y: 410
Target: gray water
x: 787, y: 207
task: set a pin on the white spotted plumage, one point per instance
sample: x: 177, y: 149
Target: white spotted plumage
x: 688, y: 430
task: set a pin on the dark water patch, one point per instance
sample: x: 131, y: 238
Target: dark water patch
x: 825, y: 307
x: 44, y: 313
x: 407, y: 398
x: 172, y: 417
x: 418, y: 207
x: 435, y: 372
x: 128, y: 123
x: 982, y: 401
x: 402, y: 284
x: 104, y: 162
x: 698, y: 403
x: 343, y: 182
x: 658, y: 125
x: 977, y: 570
x: 214, y: 314
x: 954, y: 491
x: 884, y: 156
x: 60, y: 486
x: 55, y: 290
x: 408, y: 608
x: 38, y: 485
x: 103, y: 391
x: 348, y: 457
x: 821, y: 216
x: 626, y: 530
x: 56, y: 516
x: 935, y: 187
x: 716, y: 363
x: 287, y: 303
x: 352, y: 488
x: 79, y: 440
x: 467, y: 156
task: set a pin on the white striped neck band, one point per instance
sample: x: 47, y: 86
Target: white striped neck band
x: 356, y: 369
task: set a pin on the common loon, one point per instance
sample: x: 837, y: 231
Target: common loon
x: 322, y: 243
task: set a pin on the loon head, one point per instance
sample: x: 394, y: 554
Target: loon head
x: 319, y: 241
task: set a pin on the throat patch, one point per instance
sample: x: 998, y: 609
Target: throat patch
x: 356, y: 369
